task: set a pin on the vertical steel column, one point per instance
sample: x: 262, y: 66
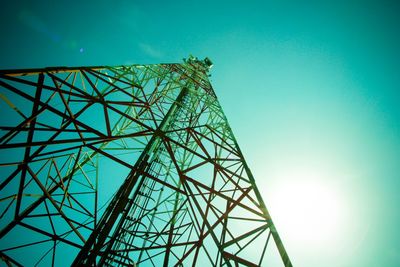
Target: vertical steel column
x: 87, y: 256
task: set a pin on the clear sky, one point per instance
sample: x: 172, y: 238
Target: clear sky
x: 311, y: 90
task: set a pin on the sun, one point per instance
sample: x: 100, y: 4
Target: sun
x: 307, y: 209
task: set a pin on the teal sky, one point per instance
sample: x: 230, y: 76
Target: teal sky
x: 311, y: 90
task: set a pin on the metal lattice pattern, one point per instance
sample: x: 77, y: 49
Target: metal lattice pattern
x: 124, y: 166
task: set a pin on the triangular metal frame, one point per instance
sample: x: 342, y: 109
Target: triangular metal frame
x: 157, y: 135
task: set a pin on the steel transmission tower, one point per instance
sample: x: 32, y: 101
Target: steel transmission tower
x: 126, y: 166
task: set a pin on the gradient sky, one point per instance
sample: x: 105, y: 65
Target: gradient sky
x: 311, y: 90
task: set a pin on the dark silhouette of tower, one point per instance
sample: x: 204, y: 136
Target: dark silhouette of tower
x: 125, y: 166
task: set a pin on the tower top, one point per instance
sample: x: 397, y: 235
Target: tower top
x: 206, y: 62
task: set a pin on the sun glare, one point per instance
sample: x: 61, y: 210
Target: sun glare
x: 307, y: 210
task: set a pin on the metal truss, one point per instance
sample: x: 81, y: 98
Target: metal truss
x: 125, y: 166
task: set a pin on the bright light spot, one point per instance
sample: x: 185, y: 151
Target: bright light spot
x: 307, y: 209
